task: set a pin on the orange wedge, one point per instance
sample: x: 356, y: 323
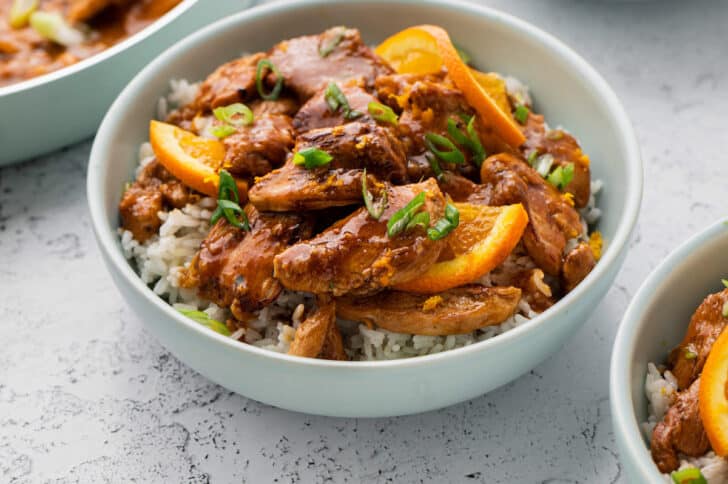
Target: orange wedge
x: 425, y: 49
x: 713, y: 396
x: 195, y: 161
x: 482, y: 241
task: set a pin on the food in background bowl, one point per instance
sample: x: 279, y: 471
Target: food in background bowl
x: 332, y: 201
x: 41, y: 36
x: 688, y: 402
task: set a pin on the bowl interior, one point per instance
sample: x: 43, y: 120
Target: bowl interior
x: 656, y: 322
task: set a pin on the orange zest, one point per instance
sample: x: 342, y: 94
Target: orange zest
x: 483, y: 240
x: 713, y: 396
x: 426, y: 49
x: 194, y: 160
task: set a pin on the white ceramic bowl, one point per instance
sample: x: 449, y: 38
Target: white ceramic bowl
x: 655, y: 322
x: 570, y: 93
x: 62, y: 107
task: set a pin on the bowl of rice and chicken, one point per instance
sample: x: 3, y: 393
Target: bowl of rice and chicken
x: 376, y: 204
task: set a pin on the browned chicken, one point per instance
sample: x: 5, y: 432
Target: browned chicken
x: 154, y: 190
x: 680, y: 431
x: 565, y: 149
x: 552, y: 221
x: 235, y: 267
x: 688, y: 358
x: 256, y: 149
x: 318, y: 335
x: 230, y: 83
x: 282, y: 105
x: 310, y: 62
x: 457, y: 311
x: 355, y: 255
x: 577, y: 265
x: 316, y: 113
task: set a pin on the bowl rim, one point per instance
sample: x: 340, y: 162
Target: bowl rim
x: 107, y: 239
x: 132, y: 40
x: 627, y: 428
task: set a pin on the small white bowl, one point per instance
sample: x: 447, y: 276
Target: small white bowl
x: 654, y: 323
x: 565, y: 87
x: 65, y: 106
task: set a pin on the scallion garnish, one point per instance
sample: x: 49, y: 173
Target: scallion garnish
x: 446, y: 224
x: 264, y: 64
x: 20, y: 12
x: 725, y: 282
x: 237, y: 114
x: 453, y: 155
x: 311, y: 158
x: 375, y: 210
x: 54, y: 27
x: 555, y: 134
x: 521, y: 113
x: 327, y: 49
x: 205, y: 320
x: 690, y: 354
x: 725, y: 309
x: 689, y: 475
x: 228, y: 203
x: 561, y: 176
x: 336, y: 100
x: 421, y: 219
x: 221, y: 131
x: 382, y: 113
x: 532, y: 157
x: 543, y: 164
x: 469, y: 139
x: 402, y: 217
x: 434, y: 164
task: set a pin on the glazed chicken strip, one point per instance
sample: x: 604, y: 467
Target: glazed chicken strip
x: 316, y: 113
x: 688, y: 358
x: 256, y: 149
x: 356, y: 255
x: 681, y: 431
x: 457, y: 311
x: 318, y: 336
x: 235, y: 267
x: 552, y: 221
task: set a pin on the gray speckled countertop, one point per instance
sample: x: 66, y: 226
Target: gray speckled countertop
x: 86, y: 394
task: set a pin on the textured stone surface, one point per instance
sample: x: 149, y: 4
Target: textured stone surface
x: 86, y: 394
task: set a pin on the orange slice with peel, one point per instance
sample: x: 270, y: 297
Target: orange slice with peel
x: 194, y: 160
x: 425, y: 49
x: 483, y: 239
x: 713, y: 395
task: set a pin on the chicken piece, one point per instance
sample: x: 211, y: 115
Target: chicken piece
x: 577, y: 265
x: 154, y: 190
x: 306, y: 70
x: 235, y: 268
x: 356, y: 255
x: 84, y: 10
x: 552, y: 221
x: 463, y: 190
x: 360, y: 145
x: 256, y: 149
x: 316, y: 113
x: 282, y: 105
x: 457, y: 311
x: 688, y: 358
x: 232, y: 82
x: 565, y: 150
x: 318, y: 335
x: 680, y: 431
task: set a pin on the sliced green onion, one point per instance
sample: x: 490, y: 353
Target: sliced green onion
x: 689, y: 475
x: 337, y: 100
x: 312, y: 158
x: 205, y: 320
x: 327, y: 49
x: 469, y: 139
x: 464, y: 56
x: 421, y: 219
x: 237, y: 114
x: 725, y: 309
x: 452, y: 155
x: 555, y: 134
x: 543, y: 164
x: 54, y: 27
x: 402, y: 217
x: 228, y: 189
x: 382, y: 113
x: 532, y: 157
x: 434, y: 164
x: 221, y: 131
x: 446, y: 224
x: 276, y: 92
x: 20, y: 12
x: 375, y: 210
x: 228, y: 203
x: 521, y: 113
x: 690, y: 354
x: 561, y: 176
x: 725, y: 282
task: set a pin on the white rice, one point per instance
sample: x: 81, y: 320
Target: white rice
x: 160, y: 259
x: 661, y: 391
